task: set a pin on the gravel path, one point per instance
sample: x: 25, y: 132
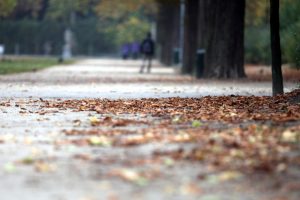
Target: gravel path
x: 105, y: 78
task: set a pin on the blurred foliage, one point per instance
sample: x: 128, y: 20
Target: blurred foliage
x: 290, y: 26
x: 103, y: 25
x: 31, y: 37
x: 31, y: 7
x: 257, y: 35
x: 290, y: 10
x: 122, y: 9
x: 67, y: 10
x: 98, y: 25
x: 134, y: 29
x: 90, y: 40
x: 126, y: 20
x: 16, y: 9
x: 291, y: 44
x: 6, y: 7
x: 257, y: 45
x: 257, y: 12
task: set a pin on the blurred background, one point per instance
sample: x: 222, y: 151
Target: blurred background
x: 101, y: 27
x: 38, y: 27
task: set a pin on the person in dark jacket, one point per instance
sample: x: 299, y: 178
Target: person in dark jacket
x: 147, y: 48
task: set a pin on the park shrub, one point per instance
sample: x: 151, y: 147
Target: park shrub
x: 91, y: 39
x: 32, y: 35
x: 257, y: 45
x: 290, y: 26
x: 291, y: 45
x: 257, y: 32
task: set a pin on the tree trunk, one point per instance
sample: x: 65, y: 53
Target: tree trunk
x: 221, y: 34
x: 167, y: 30
x: 190, y: 37
x: 276, y: 48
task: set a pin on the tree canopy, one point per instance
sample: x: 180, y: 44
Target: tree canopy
x: 6, y: 7
x: 127, y: 20
x: 62, y: 10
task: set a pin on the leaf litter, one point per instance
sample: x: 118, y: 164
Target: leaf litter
x: 259, y: 139
x: 255, y: 134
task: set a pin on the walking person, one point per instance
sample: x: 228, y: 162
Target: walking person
x: 148, y: 50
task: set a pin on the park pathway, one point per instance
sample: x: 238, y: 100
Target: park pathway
x: 42, y: 156
x: 111, y: 78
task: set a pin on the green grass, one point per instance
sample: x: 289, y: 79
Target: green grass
x: 11, y: 65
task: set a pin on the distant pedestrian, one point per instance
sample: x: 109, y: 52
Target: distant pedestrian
x: 147, y: 48
x: 125, y: 51
x: 135, y: 49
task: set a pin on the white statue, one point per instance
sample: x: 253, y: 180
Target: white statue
x: 2, y: 48
x: 67, y: 48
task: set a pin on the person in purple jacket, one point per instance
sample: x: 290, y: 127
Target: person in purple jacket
x: 135, y: 50
x: 125, y: 51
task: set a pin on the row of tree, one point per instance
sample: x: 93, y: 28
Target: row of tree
x: 217, y: 26
x: 121, y: 21
x: 214, y: 25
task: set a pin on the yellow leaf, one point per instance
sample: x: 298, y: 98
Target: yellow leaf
x: 289, y: 136
x: 94, y: 121
x: 44, y: 167
x: 229, y: 175
x: 99, y: 141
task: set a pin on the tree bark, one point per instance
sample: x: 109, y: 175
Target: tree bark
x: 276, y: 48
x: 190, y: 37
x: 221, y: 34
x: 167, y: 30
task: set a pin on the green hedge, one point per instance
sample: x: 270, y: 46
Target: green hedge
x: 31, y: 37
x: 257, y: 41
x: 258, y: 49
x: 291, y: 44
x: 257, y: 45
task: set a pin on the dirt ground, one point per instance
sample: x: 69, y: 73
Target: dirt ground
x: 264, y: 73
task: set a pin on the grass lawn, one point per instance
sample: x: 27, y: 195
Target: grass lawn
x: 11, y: 65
